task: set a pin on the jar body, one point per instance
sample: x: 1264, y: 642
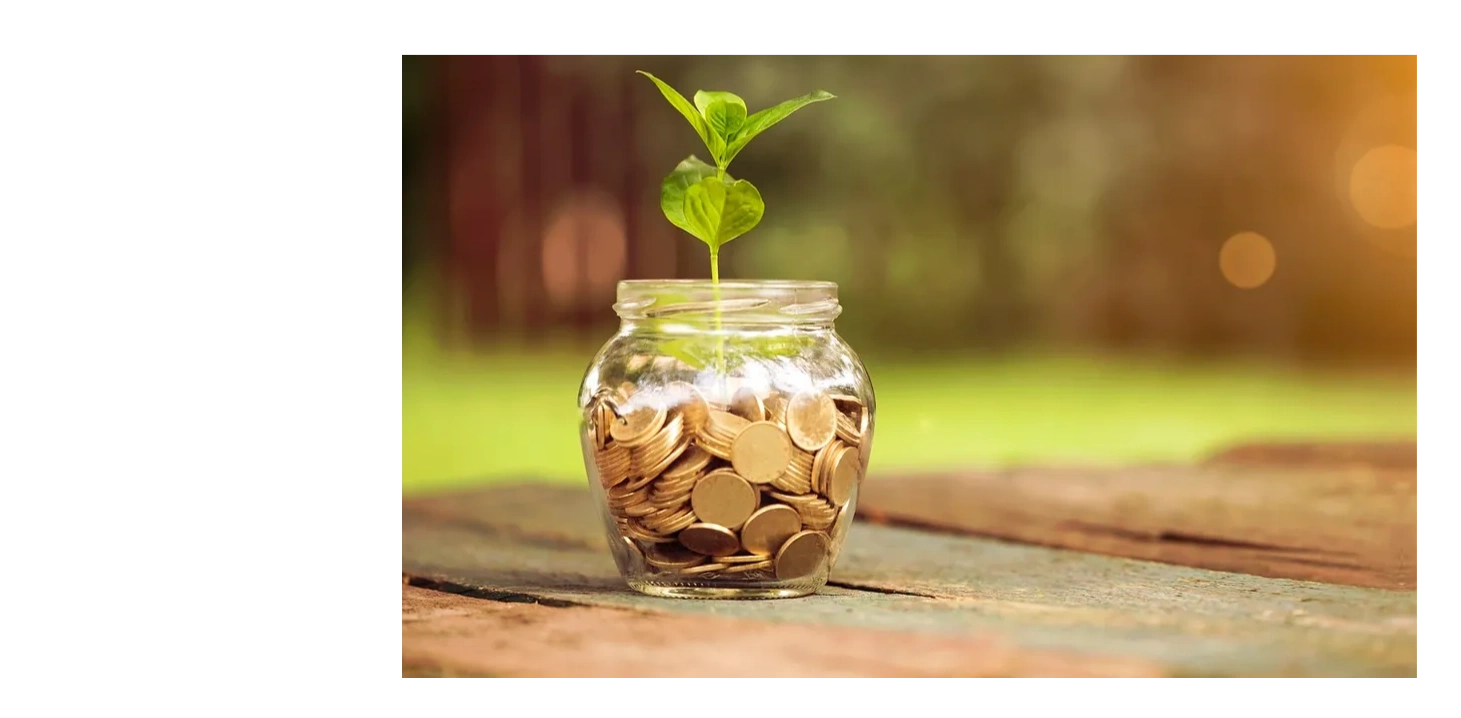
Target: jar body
x: 725, y: 439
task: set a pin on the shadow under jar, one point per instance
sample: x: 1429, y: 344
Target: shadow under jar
x: 726, y: 430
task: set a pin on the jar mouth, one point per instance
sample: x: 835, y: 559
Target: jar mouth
x: 742, y: 301
x: 729, y: 283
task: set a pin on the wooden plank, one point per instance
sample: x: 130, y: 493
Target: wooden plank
x: 534, y: 542
x: 443, y: 634
x: 1373, y: 454
x: 1319, y: 514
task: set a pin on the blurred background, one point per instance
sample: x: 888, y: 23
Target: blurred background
x: 1041, y: 259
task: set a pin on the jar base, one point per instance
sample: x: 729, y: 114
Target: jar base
x: 719, y: 592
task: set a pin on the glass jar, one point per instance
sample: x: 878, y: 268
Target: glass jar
x: 726, y: 430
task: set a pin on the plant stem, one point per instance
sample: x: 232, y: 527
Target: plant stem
x: 715, y: 289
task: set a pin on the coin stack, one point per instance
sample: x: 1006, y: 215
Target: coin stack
x: 756, y: 487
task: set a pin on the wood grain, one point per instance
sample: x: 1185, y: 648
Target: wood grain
x: 451, y: 635
x: 1311, y: 513
x: 544, y: 543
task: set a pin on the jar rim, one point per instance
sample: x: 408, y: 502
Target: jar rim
x: 729, y: 283
x: 798, y: 302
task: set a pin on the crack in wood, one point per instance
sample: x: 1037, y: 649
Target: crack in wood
x: 488, y: 594
x: 1291, y: 554
x: 880, y: 589
x: 1170, y: 536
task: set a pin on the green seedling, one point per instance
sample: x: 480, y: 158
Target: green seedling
x: 705, y: 200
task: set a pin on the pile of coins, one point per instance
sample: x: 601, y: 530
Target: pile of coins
x: 757, y: 487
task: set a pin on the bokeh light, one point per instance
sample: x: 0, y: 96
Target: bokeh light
x: 1247, y: 260
x: 583, y: 249
x: 1382, y: 187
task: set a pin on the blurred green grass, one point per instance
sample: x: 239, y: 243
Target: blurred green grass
x: 510, y: 414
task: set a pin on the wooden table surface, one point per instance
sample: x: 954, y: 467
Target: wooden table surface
x: 1264, y: 560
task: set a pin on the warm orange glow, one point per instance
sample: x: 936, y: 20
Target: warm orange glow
x: 1382, y: 187
x: 1247, y: 260
x: 560, y: 260
x: 584, y: 249
x: 608, y: 249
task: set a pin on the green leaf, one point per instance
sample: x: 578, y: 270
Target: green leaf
x: 763, y: 120
x: 720, y: 210
x: 672, y: 191
x: 694, y: 350
x: 724, y: 112
x: 699, y: 350
x: 680, y: 103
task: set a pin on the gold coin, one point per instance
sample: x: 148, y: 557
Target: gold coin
x: 710, y: 539
x: 638, y: 425
x: 761, y: 452
x: 657, y: 469
x: 604, y: 416
x: 691, y: 404
x: 672, y: 556
x: 638, y: 483
x: 815, y: 511
x: 678, y: 495
x: 843, y: 473
x: 847, y: 431
x: 653, y: 456
x: 725, y: 425
x: 716, y: 449
x: 637, y: 498
x: 688, y: 464
x: 724, y: 498
x: 613, y: 464
x: 811, y: 420
x: 746, y: 404
x: 846, y: 402
x: 620, y: 493
x: 679, y: 524
x: 672, y: 496
x: 720, y: 432
x: 676, y: 487
x: 801, y: 555
x: 669, y: 517
x: 636, y: 530
x: 703, y: 568
x: 769, y: 528
x: 820, y: 466
x: 797, y: 478
x: 638, y: 510
x: 745, y: 567
x: 668, y: 481
x: 793, y: 499
x: 741, y: 558
x: 818, y: 515
x: 791, y: 482
x: 775, y: 409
